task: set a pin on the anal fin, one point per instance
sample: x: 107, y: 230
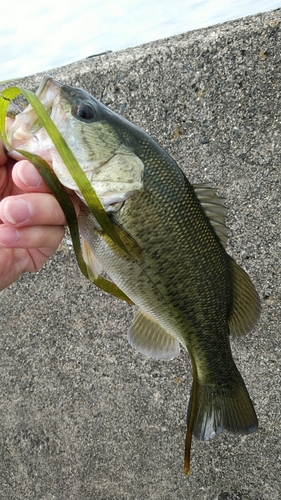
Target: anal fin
x: 148, y: 337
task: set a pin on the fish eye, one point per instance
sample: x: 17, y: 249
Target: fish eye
x: 83, y: 112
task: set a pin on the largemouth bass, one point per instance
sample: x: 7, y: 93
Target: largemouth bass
x: 187, y: 289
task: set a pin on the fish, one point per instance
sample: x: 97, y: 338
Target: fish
x: 187, y: 290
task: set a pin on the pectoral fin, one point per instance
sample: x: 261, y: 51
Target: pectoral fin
x: 94, y: 269
x: 93, y: 266
x: 148, y: 337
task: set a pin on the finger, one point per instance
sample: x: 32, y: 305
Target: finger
x: 33, y: 209
x: 3, y: 156
x: 27, y: 178
x: 31, y: 237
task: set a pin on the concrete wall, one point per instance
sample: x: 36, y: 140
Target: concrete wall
x: 82, y: 415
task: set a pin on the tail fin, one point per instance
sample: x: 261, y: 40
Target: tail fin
x: 223, y: 407
x: 220, y: 407
x: 214, y: 408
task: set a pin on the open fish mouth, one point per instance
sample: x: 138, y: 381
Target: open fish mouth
x: 27, y: 133
x: 27, y: 124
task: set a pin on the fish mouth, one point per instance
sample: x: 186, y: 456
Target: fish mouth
x: 47, y: 82
x: 49, y: 92
x: 25, y: 130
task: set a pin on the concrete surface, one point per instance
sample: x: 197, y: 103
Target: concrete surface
x: 82, y: 415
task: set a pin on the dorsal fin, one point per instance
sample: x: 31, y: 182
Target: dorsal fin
x: 213, y: 206
x: 148, y: 337
x: 246, y: 303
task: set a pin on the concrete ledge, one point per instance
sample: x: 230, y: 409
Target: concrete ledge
x: 82, y: 415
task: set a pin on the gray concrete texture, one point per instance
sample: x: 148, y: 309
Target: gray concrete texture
x: 83, y: 416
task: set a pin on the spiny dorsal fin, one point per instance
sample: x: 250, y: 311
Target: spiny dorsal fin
x: 214, y: 208
x: 246, y: 307
x: 148, y: 337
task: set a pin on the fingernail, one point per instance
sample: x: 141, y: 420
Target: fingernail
x: 16, y: 210
x: 29, y: 176
x: 8, y: 236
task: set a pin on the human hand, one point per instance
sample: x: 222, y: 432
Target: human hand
x: 33, y: 222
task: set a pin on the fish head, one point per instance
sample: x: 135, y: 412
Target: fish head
x: 93, y: 134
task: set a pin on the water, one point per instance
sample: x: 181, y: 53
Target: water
x: 41, y: 35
